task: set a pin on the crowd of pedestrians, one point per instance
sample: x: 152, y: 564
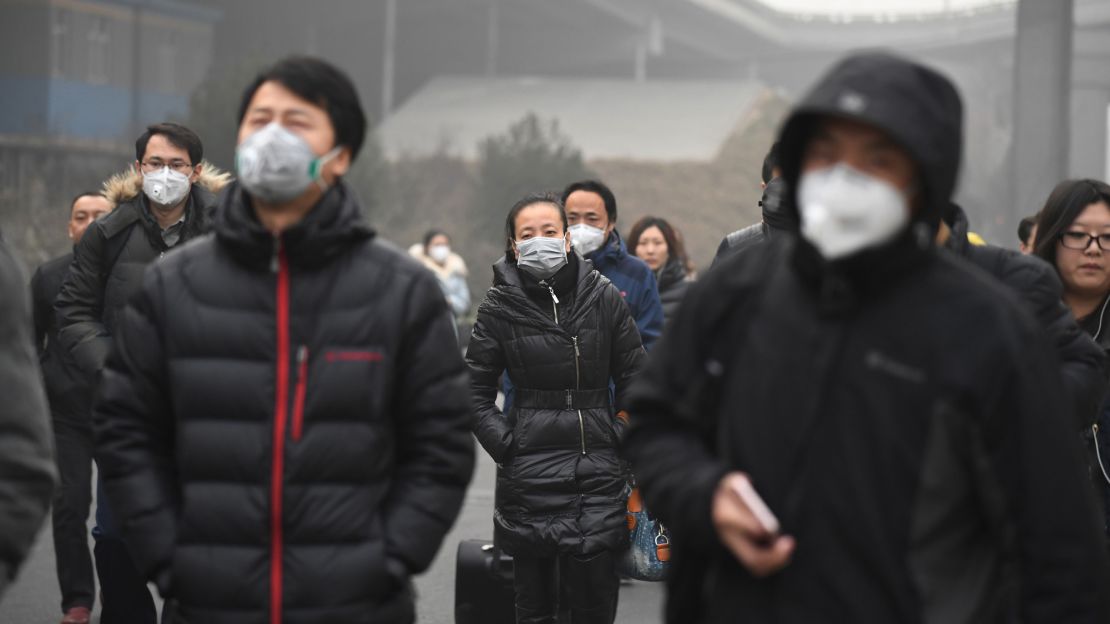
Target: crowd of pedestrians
x: 860, y: 412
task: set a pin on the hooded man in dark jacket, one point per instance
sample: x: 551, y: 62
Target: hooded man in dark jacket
x: 778, y: 217
x: 163, y: 200
x: 853, y: 424
x: 69, y: 392
x: 27, y: 473
x: 284, y: 423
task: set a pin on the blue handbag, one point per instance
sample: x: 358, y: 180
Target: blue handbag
x: 649, y: 553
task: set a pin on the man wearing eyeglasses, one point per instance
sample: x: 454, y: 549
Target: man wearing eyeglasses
x: 164, y: 199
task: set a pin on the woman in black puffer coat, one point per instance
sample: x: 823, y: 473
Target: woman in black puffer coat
x: 561, y: 332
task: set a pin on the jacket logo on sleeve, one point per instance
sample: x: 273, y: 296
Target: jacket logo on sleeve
x: 885, y: 364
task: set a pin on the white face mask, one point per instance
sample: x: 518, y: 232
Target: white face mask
x: 586, y: 238
x: 277, y: 166
x: 439, y: 253
x: 844, y: 210
x: 166, y: 187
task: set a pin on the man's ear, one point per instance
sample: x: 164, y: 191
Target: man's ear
x: 138, y: 167
x: 340, y: 165
x: 566, y: 240
x: 196, y: 173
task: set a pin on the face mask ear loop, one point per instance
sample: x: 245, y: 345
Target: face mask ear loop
x: 318, y: 177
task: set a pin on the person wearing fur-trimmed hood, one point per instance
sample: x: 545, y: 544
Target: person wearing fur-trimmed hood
x: 164, y: 199
x: 167, y: 197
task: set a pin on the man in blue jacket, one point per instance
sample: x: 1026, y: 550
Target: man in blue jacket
x: 592, y: 213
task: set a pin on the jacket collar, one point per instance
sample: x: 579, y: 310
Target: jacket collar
x: 842, y: 285
x: 612, y: 252
x: 671, y: 273
x: 332, y: 226
x: 508, y: 282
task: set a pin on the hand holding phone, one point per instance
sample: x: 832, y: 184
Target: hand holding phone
x: 743, y: 488
x: 748, y: 528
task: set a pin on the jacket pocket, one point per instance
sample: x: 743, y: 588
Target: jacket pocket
x: 351, y: 383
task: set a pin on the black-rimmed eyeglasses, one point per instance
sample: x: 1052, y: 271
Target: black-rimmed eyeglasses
x: 154, y: 164
x: 1082, y: 240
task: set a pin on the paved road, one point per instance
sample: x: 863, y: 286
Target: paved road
x: 34, y: 598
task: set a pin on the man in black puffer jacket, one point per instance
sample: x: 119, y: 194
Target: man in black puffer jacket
x: 898, y: 411
x: 284, y: 423
x: 109, y: 261
x: 162, y: 201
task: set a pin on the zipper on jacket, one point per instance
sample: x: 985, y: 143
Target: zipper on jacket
x: 582, y: 431
x: 577, y: 369
x: 299, y: 393
x: 554, y: 301
x: 578, y: 386
x: 275, y: 256
x: 281, y: 403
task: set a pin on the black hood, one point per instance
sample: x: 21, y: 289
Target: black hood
x: 917, y: 107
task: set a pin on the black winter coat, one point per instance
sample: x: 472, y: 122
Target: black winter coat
x: 898, y: 410
x: 69, y: 390
x: 284, y: 423
x: 673, y: 285
x: 27, y: 472
x: 559, y: 482
x: 110, y: 259
x: 1082, y: 362
x: 904, y: 428
x: 779, y: 217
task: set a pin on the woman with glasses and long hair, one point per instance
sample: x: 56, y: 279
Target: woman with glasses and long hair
x: 1073, y: 235
x: 561, y: 332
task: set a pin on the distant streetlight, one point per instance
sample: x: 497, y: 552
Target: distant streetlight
x: 388, y: 57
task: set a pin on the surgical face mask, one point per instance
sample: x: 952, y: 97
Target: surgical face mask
x: 844, y: 210
x: 277, y: 166
x: 586, y: 238
x: 166, y: 187
x: 439, y: 253
x: 541, y: 257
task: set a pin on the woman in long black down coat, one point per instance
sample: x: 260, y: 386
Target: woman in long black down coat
x: 561, y: 332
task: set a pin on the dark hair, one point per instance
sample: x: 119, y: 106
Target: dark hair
x: 1025, y: 228
x: 594, y: 186
x: 430, y: 234
x: 544, y: 197
x: 770, y: 162
x: 322, y: 84
x: 1063, y: 207
x: 78, y: 196
x: 178, y: 135
x: 675, y: 248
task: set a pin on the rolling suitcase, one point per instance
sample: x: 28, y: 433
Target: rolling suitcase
x: 483, y: 584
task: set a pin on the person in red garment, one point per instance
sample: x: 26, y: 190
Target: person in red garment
x: 284, y: 422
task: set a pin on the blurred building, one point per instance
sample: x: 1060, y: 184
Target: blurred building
x: 657, y: 121
x: 79, y: 79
